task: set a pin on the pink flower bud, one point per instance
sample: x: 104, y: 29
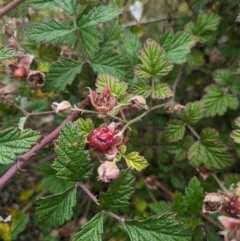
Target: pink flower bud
x: 108, y: 171
x: 103, y: 102
x: 139, y: 102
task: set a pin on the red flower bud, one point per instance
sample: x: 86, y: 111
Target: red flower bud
x: 20, y: 72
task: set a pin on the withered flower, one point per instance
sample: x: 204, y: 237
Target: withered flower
x: 102, y: 102
x: 213, y: 202
x: 108, y: 171
x: 64, y: 107
x: 36, y: 78
x: 139, y: 102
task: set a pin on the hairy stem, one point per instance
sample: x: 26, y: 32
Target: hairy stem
x: 39, y: 146
x: 9, y: 7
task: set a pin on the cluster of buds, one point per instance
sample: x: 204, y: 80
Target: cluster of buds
x: 105, y: 139
x: 226, y: 202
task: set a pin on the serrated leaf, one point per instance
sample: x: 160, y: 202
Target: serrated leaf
x: 98, y: 15
x: 160, y: 207
x: 69, y: 5
x: 42, y: 4
x: 56, y: 209
x: 85, y: 126
x: 109, y: 63
x: 153, y: 60
x: 177, y: 45
x: 13, y: 141
x: 180, y: 148
x: 119, y: 192
x: 235, y: 135
x: 162, y: 91
x: 135, y: 161
x: 209, y: 151
x: 198, y: 4
x: 141, y: 89
x: 216, y: 101
x: 193, y: 112
x: 118, y: 88
x: 174, y: 131
x: 61, y: 74
x: 205, y: 23
x: 51, y: 31
x: 50, y: 181
x: 72, y: 163
x: 6, y: 53
x: 194, y: 196
x: 48, y: 53
x: 179, y: 204
x: 90, y: 39
x: 92, y: 230
x: 157, y: 228
x: 195, y: 58
x: 230, y: 179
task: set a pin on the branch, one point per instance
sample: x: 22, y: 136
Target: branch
x: 9, y: 7
x: 40, y: 145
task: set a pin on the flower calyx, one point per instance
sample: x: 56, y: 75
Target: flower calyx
x: 139, y: 102
x: 108, y: 171
x: 36, y: 78
x: 213, y: 202
x: 63, y: 108
x: 104, y: 101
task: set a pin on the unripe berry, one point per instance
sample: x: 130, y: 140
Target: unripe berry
x: 20, y: 72
x: 101, y: 139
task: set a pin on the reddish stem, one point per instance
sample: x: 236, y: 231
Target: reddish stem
x: 9, y: 7
x: 40, y: 145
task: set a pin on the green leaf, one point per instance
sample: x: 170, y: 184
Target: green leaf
x: 51, y: 31
x: 55, y: 209
x: 42, y: 4
x: 109, y: 63
x: 153, y: 60
x: 193, y: 112
x: 216, y: 101
x: 72, y: 163
x: 90, y: 39
x: 85, y: 127
x: 160, y: 207
x: 135, y: 161
x: 198, y: 4
x: 130, y: 47
x: 50, y: 181
x: 6, y: 53
x: 141, y: 89
x: 180, y: 148
x: 180, y: 205
x: 19, y: 222
x: 61, y: 74
x: 98, y: 15
x: 162, y: 91
x: 13, y: 141
x: 209, y: 151
x: 157, y: 228
x: 194, y: 196
x: 92, y: 230
x: 174, y: 131
x: 226, y: 78
x: 119, y: 192
x: 69, y: 5
x: 235, y: 135
x: 48, y: 52
x: 177, y: 46
x: 231, y: 179
x: 204, y: 24
x: 118, y: 88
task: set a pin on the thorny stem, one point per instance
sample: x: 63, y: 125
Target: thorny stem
x: 39, y: 146
x: 95, y: 200
x: 9, y: 7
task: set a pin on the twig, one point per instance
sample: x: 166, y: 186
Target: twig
x: 219, y: 183
x: 40, y: 145
x: 9, y: 7
x: 175, y: 84
x: 193, y: 131
x: 148, y: 21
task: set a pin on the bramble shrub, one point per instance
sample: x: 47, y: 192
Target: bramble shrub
x: 127, y: 116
